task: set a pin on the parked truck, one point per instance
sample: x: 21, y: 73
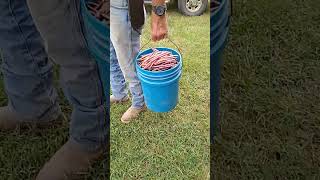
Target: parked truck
x: 188, y: 7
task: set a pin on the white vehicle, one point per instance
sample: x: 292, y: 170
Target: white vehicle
x: 188, y: 7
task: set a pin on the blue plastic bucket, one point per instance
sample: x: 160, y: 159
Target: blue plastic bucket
x: 97, y: 36
x: 160, y: 88
x: 219, y: 22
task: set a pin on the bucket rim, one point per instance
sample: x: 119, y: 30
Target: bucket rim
x: 220, y: 7
x: 159, y: 78
x: 219, y: 31
x: 223, y: 9
x: 90, y: 16
x: 158, y: 72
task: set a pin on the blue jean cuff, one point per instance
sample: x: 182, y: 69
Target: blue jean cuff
x: 137, y: 106
x: 120, y: 98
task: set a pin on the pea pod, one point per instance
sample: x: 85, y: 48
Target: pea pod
x: 158, y: 60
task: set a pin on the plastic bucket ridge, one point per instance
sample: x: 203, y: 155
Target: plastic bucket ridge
x: 161, y: 79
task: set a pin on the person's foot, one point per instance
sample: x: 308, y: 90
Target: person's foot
x: 113, y: 100
x: 69, y: 162
x: 131, y: 114
x: 10, y: 121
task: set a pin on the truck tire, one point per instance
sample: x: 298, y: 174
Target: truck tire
x: 192, y: 7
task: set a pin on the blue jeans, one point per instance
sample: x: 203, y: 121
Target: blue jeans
x: 28, y: 71
x: 125, y: 45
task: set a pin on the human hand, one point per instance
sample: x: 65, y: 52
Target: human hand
x: 159, y: 27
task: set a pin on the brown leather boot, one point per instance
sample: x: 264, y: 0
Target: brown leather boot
x: 10, y: 121
x: 69, y: 162
x: 131, y: 114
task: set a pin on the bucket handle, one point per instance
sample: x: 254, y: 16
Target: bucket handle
x: 170, y: 40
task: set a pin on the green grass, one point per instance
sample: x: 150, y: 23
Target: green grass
x: 24, y: 153
x: 172, y: 145
x: 270, y: 93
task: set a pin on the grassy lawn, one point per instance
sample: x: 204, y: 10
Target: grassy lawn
x: 270, y: 93
x: 172, y: 145
x: 24, y: 153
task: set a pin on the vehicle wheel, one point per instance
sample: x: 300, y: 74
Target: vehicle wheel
x: 192, y: 7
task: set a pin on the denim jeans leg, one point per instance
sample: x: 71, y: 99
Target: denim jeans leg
x: 126, y: 43
x: 117, y: 81
x: 27, y: 72
x: 59, y: 22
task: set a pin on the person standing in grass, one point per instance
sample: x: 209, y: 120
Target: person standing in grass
x: 127, y: 20
x: 28, y: 80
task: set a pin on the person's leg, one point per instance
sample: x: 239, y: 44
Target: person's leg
x: 117, y: 81
x: 126, y: 43
x: 59, y: 22
x: 27, y: 72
